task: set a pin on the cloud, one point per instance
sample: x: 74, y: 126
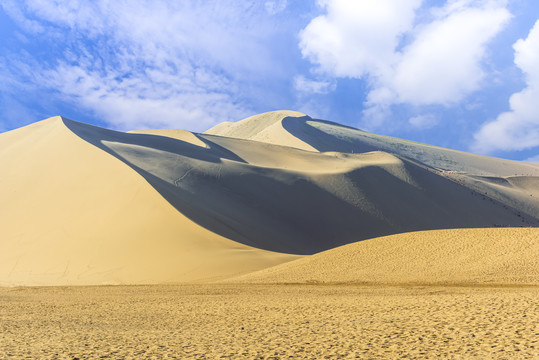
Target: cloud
x: 409, y: 54
x: 517, y: 129
x: 142, y: 101
x: 14, y: 11
x: 309, y: 86
x: 356, y: 38
x: 159, y: 63
x: 443, y: 63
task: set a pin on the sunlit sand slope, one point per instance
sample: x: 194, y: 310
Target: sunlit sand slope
x: 462, y: 256
x: 266, y: 127
x: 72, y: 214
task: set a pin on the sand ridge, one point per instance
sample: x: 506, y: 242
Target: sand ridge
x: 266, y: 127
x: 182, y: 135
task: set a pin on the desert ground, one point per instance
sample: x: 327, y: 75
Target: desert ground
x: 466, y: 293
x: 269, y: 322
x: 278, y: 236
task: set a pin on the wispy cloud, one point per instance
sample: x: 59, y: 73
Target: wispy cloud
x: 159, y: 63
x: 518, y: 128
x: 432, y: 59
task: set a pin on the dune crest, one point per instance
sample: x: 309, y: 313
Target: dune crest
x: 182, y: 135
x: 266, y: 127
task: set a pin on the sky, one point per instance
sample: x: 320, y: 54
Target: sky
x: 462, y: 74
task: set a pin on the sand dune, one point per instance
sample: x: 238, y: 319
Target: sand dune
x: 442, y: 257
x: 266, y: 127
x: 87, y: 205
x: 293, y: 201
x: 303, y: 132
x: 226, y: 211
x: 73, y: 214
x: 513, y: 184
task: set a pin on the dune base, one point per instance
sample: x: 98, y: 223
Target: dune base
x: 276, y: 322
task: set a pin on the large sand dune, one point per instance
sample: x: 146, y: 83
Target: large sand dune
x: 72, y: 214
x: 86, y: 205
x: 288, y: 200
x: 512, y: 183
x: 441, y: 257
x: 294, y: 129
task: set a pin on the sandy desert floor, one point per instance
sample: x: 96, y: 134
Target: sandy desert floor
x: 269, y: 322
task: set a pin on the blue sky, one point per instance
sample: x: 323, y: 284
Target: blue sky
x: 462, y: 74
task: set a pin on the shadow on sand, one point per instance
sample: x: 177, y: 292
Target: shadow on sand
x: 288, y: 211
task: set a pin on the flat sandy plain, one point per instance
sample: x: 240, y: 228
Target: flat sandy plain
x: 269, y: 322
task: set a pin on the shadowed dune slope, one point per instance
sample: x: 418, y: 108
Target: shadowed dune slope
x: 72, y: 214
x: 288, y: 200
x: 511, y: 183
x: 459, y: 256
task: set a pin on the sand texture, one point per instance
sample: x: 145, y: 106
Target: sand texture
x: 269, y: 322
x: 437, y: 257
x: 85, y: 205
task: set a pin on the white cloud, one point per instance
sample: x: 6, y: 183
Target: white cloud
x: 356, y: 38
x: 426, y: 121
x: 15, y: 12
x: 151, y: 100
x: 443, y: 63
x: 304, y: 85
x: 159, y: 63
x: 406, y: 58
x: 517, y: 129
